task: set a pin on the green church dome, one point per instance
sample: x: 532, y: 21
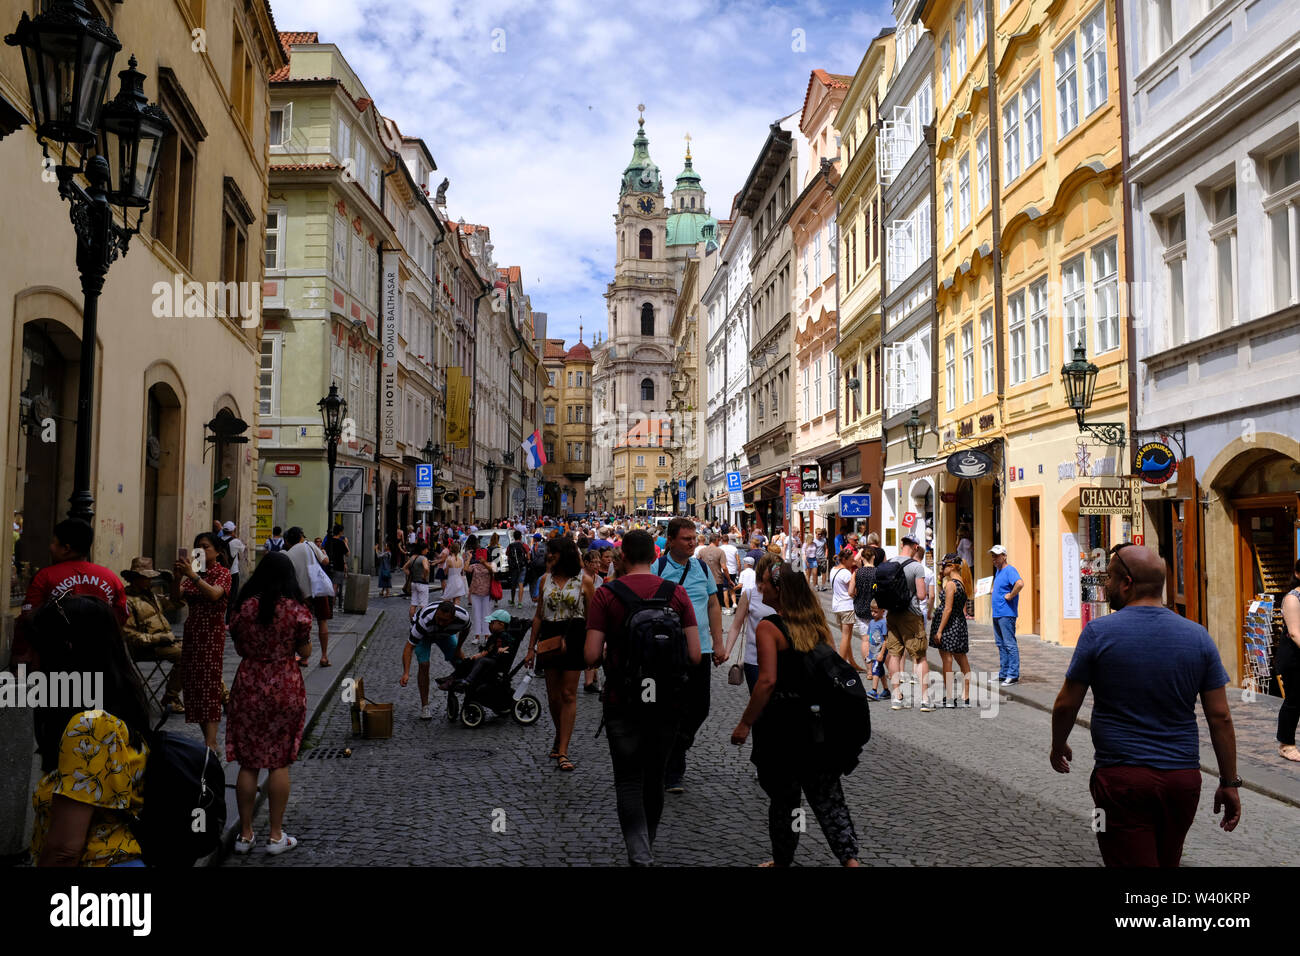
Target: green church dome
x: 641, y: 174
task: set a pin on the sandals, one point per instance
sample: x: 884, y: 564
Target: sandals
x: 1289, y: 752
x: 562, y: 762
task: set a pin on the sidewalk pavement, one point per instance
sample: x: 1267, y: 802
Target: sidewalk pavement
x: 348, y: 632
x: 1042, y: 672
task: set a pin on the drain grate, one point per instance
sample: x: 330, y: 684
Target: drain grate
x: 469, y: 753
x: 324, y: 753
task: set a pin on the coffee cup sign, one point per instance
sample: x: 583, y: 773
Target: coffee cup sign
x: 969, y: 463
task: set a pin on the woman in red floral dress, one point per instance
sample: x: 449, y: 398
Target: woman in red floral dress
x: 204, y: 644
x: 268, y: 704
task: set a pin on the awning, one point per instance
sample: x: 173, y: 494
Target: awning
x: 831, y: 506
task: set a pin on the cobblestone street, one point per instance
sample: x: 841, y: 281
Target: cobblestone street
x: 943, y: 788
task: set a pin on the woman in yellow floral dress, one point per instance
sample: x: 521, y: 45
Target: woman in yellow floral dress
x: 93, y: 760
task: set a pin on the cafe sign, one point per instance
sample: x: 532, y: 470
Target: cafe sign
x: 1105, y: 501
x: 969, y: 464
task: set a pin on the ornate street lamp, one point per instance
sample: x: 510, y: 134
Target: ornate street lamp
x: 916, y: 429
x: 68, y: 53
x: 430, y: 452
x: 1080, y: 379
x: 332, y: 409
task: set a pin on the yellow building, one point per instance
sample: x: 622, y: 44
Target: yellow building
x: 1031, y: 238
x: 856, y: 466
x: 643, y: 465
x: 566, y: 427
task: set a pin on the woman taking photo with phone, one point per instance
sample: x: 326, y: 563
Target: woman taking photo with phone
x: 203, y: 582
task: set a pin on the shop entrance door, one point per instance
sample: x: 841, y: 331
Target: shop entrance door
x: 1265, y: 556
x: 1035, y: 567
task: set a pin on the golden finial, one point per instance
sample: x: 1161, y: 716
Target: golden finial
x: 688, y: 146
x: 641, y: 108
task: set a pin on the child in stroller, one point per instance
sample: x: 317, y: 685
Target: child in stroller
x: 484, y: 678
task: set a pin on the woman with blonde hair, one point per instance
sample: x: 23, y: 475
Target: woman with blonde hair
x: 782, y: 722
x: 948, y: 627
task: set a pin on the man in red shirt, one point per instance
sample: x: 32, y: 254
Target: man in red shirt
x: 640, y: 737
x: 70, y: 573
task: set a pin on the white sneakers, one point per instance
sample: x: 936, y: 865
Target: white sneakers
x: 282, y: 845
x: 426, y: 712
x: 243, y: 846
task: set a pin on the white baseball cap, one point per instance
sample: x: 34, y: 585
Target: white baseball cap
x: 997, y: 549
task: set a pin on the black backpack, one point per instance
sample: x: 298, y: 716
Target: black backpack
x: 834, y: 685
x: 653, y: 648
x: 890, y: 590
x: 538, y: 561
x: 184, y: 811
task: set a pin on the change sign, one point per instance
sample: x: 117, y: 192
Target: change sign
x: 1105, y: 501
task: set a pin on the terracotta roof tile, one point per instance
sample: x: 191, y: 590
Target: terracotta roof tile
x: 833, y: 81
x: 287, y: 39
x: 554, y: 349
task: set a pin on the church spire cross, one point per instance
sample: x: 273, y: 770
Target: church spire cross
x: 688, y: 147
x: 641, y: 109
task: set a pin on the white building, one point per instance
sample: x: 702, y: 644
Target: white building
x: 726, y: 303
x: 1214, y: 193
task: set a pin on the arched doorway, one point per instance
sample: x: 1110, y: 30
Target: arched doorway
x: 46, y: 442
x: 227, y: 463
x: 159, y: 534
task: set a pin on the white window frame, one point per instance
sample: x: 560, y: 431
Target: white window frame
x: 275, y: 237
x: 1104, y: 263
x: 1067, y: 87
x: 1096, y: 80
x: 1011, y: 140
x: 947, y: 210
x: 817, y: 388
x: 663, y: 461
x: 342, y: 229
x: 1031, y: 116
x: 550, y: 414
x: 977, y: 24
x: 1074, y: 305
x: 950, y: 373
x: 272, y: 389
x: 959, y: 42
x: 988, y: 352
x: 963, y: 190
x: 982, y: 180
x: 1016, y: 338
x: 640, y: 461
x: 832, y: 382
x: 807, y: 392
x: 1282, y: 207
x: 1223, y: 239
x: 968, y: 362
x: 640, y: 484
x: 286, y: 126
x: 945, y: 67
x: 1039, y: 333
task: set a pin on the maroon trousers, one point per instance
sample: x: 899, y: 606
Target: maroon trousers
x: 1147, y: 813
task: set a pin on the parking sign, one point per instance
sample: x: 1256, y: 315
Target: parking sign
x: 733, y: 481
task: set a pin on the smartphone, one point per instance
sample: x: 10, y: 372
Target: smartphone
x: 183, y: 554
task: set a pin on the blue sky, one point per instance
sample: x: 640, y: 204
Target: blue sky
x: 530, y: 108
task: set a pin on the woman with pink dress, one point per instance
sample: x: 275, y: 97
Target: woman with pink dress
x: 204, y: 584
x: 268, y: 703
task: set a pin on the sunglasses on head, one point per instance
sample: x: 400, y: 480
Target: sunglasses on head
x: 1115, y: 557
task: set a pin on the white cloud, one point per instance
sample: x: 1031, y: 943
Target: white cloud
x: 534, y: 139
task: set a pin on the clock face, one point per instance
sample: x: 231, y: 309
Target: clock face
x: 646, y: 205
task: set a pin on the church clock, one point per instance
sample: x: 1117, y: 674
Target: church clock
x: 646, y: 204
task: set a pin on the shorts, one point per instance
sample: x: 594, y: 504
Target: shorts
x: 846, y: 618
x: 906, y: 634
x: 323, y: 608
x: 419, y: 593
x: 447, y: 646
x: 811, y: 563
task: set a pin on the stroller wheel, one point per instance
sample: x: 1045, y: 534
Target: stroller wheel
x: 471, y: 715
x: 453, y: 707
x: 527, y: 709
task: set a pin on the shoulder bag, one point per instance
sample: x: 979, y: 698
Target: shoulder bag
x: 321, y: 586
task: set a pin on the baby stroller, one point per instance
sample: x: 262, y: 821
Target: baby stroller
x: 493, y: 691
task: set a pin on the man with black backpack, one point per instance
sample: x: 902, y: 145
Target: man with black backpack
x: 678, y: 565
x: 645, y: 629
x: 899, y: 589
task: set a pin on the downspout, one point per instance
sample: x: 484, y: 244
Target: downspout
x: 1131, y: 334
x: 473, y: 397
x: 995, y: 187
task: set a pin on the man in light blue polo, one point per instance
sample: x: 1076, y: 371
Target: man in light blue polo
x: 679, y: 565
x: 1007, y: 585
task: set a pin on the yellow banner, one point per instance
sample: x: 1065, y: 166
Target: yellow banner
x: 458, y: 385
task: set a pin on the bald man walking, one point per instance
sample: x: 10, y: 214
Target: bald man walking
x: 1146, y: 666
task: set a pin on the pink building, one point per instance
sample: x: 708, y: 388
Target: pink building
x: 816, y: 309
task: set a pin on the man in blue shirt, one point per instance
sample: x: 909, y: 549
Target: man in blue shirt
x: 679, y: 565
x: 1146, y: 666
x: 1007, y: 585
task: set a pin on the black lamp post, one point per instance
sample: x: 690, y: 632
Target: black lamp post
x: 1080, y: 379
x: 430, y: 452
x: 491, y: 469
x: 915, y: 429
x: 68, y: 53
x: 332, y: 408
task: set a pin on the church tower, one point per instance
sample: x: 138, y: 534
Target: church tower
x: 634, y: 364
